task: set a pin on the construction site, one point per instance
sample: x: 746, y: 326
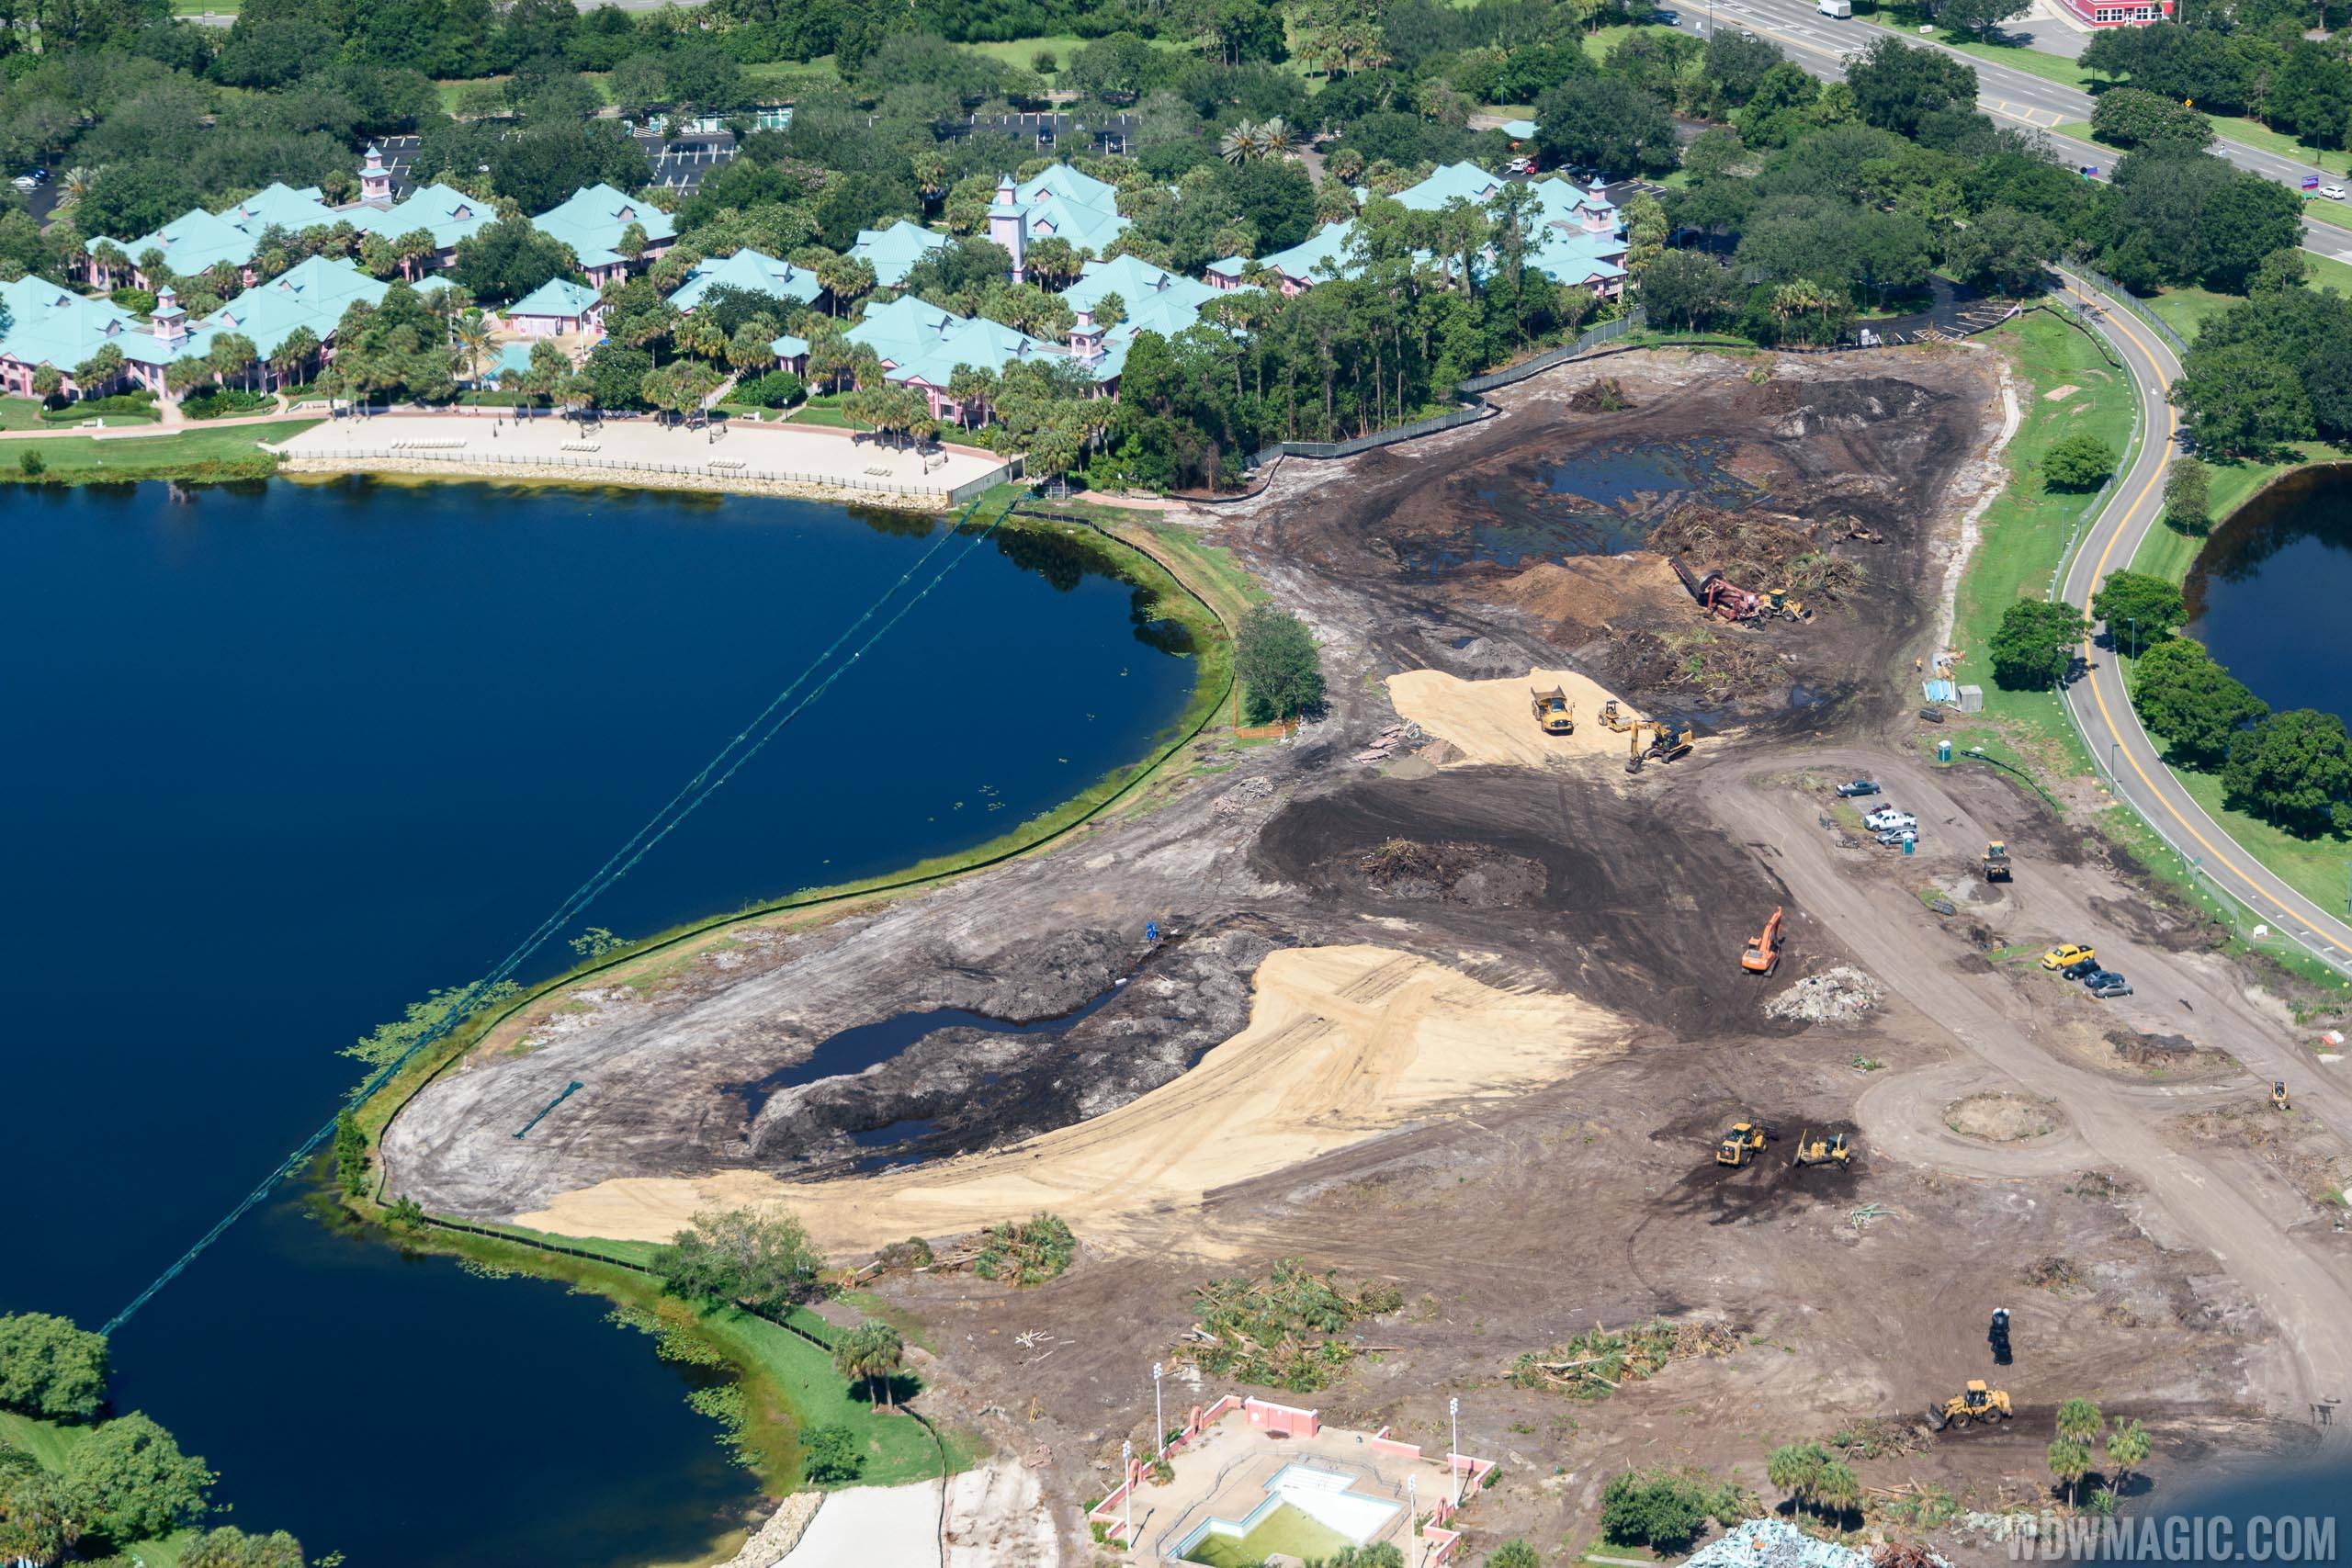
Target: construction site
x: 1643, y: 1106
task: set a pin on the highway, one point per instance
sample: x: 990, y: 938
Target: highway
x: 2098, y: 700
x: 1819, y: 44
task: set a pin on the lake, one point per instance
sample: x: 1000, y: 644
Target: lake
x: 284, y: 757
x: 2270, y: 584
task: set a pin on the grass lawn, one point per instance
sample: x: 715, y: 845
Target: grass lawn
x: 21, y: 414
x: 234, y: 453
x: 897, y: 1448
x: 1019, y: 52
x: 2316, y: 868
x: 821, y: 410
x: 2025, y: 531
x: 204, y: 8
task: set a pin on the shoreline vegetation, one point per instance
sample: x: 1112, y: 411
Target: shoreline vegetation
x: 769, y: 1383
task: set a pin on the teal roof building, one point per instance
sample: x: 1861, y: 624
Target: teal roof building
x: 313, y: 294
x: 449, y: 216
x: 593, y: 220
x: 557, y: 300
x: 752, y: 271
x: 922, y: 344
x: 197, y: 240
x: 1062, y: 203
x: 893, y: 251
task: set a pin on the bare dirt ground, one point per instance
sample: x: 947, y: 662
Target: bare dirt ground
x: 1518, y: 1135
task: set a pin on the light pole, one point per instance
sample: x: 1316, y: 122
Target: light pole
x: 1158, y: 1420
x: 2135, y: 635
x: 1412, y: 1508
x: 2114, y: 779
x: 1454, y: 1458
x: 1127, y: 1483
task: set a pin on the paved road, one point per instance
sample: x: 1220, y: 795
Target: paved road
x: 1819, y: 44
x: 2099, y: 700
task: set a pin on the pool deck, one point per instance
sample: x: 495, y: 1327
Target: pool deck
x: 741, y: 456
x: 1223, y: 1473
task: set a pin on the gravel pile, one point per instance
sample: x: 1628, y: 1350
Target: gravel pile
x: 1842, y: 995
x: 1243, y: 795
x: 1774, y: 1544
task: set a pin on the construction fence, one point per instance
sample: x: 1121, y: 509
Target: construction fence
x: 720, y: 473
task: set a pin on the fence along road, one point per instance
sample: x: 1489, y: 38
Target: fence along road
x: 2101, y: 708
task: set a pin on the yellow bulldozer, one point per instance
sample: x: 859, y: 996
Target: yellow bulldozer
x: 1553, y: 710
x: 1742, y: 1144
x: 1831, y: 1150
x: 2279, y: 1099
x: 1996, y: 861
x: 1975, y: 1403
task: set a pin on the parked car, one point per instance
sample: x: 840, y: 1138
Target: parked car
x: 2114, y: 986
x: 25, y: 182
x: 1858, y: 786
x: 1886, y: 816
x: 2065, y: 953
x: 1895, y: 836
x: 2098, y: 977
x: 2333, y: 193
x: 2083, y: 971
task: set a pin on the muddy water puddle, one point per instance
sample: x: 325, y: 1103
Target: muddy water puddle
x: 1603, y: 502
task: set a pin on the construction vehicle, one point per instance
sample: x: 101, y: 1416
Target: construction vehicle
x: 1667, y: 742
x: 1831, y: 1150
x: 1996, y: 861
x: 1742, y: 1144
x: 1720, y: 597
x: 1613, y: 717
x: 1975, y: 1403
x: 1998, y: 1336
x: 1553, y: 710
x: 2278, y: 1101
x: 1763, y: 954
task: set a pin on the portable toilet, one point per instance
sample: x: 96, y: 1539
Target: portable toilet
x: 1943, y: 751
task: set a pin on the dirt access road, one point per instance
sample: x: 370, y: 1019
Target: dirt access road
x: 2304, y: 1290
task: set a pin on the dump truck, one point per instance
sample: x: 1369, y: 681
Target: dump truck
x: 1996, y: 862
x: 1975, y: 1403
x: 1553, y: 710
x: 1831, y: 1150
x: 1763, y: 954
x: 1742, y: 1143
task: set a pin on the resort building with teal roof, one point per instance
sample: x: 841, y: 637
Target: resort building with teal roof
x: 892, y: 253
x: 595, y: 221
x: 754, y: 272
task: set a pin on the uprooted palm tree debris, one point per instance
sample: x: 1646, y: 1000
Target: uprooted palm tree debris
x: 1758, y: 552
x: 1020, y: 1252
x: 1286, y: 1330
x: 1592, y: 1364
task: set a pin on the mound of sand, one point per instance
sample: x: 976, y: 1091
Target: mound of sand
x: 2002, y: 1118
x: 1582, y: 595
x: 1490, y: 721
x: 1343, y: 1042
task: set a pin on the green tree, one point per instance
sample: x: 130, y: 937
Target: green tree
x: 1977, y: 17
x: 1514, y: 1553
x: 2079, y: 461
x: 2188, y: 496
x: 1603, y: 123
x: 2127, y: 1449
x: 2293, y: 769
x: 37, y: 1520
x: 2003, y: 250
x: 97, y: 373
x: 766, y: 1261
x: 350, y: 1155
x: 508, y: 259
x: 130, y: 1482
x: 2192, y: 702
x: 2128, y: 117
x: 2140, y: 610
x: 2035, y: 643
x: 1280, y: 667
x: 1656, y: 1509
x: 1687, y: 288
x: 2239, y: 401
x: 1796, y: 1468
x: 828, y: 1457
x: 872, y: 1353
x: 231, y: 1548
x: 1896, y: 85
x: 51, y: 1369
x: 2070, y: 1460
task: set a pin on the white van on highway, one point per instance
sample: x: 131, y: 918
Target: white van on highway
x: 1841, y: 9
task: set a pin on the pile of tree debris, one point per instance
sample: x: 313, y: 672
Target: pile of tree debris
x: 1592, y: 1364
x: 1287, y: 1330
x: 1018, y: 1252
x: 1758, y: 551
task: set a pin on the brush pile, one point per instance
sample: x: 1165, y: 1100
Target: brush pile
x: 1592, y: 1364
x: 1288, y: 1330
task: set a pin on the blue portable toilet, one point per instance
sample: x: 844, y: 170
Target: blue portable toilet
x: 1943, y: 751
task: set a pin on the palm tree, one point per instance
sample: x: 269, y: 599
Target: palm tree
x: 1240, y: 144
x: 293, y: 355
x: 700, y: 334
x: 2080, y: 1419
x: 872, y: 1353
x: 2069, y: 1461
x: 73, y: 185
x: 1276, y: 139
x: 1796, y: 1468
x: 233, y: 354
x: 2127, y: 1449
x: 471, y: 333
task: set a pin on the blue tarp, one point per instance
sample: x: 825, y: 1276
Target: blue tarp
x: 1942, y: 691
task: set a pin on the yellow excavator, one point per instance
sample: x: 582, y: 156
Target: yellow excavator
x: 1742, y: 1144
x: 1667, y: 742
x: 1553, y: 710
x: 1832, y: 1150
x: 1975, y: 1403
x: 1776, y: 602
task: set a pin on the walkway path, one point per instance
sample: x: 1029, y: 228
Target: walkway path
x: 2103, y: 709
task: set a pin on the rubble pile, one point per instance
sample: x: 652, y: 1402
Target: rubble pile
x: 1774, y: 1544
x: 1387, y: 742
x: 1842, y: 995
x: 1244, y: 795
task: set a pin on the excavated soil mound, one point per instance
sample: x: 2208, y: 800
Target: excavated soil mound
x: 1758, y: 551
x: 1343, y: 1042
x: 1582, y: 597
x: 1490, y: 721
x: 1455, y: 871
x: 2002, y: 1118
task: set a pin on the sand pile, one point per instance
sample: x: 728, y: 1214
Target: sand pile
x: 1582, y: 595
x: 1490, y: 721
x: 1343, y: 1042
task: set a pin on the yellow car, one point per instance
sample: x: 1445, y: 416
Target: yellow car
x: 2066, y: 954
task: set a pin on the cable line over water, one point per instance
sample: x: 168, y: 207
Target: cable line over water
x: 747, y: 743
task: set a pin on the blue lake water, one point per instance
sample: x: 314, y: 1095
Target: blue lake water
x: 284, y: 757
x: 2270, y: 587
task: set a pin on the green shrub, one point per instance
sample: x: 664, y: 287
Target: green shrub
x: 31, y: 463
x: 51, y: 1369
x: 220, y: 403
x: 1026, y: 1252
x: 2078, y: 462
x: 1660, y: 1508
x: 777, y: 390
x: 138, y: 301
x: 831, y: 1457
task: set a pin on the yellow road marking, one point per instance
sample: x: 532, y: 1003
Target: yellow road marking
x: 2098, y: 575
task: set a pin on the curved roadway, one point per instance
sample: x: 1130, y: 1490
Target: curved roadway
x: 2098, y: 700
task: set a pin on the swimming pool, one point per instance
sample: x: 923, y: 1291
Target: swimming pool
x: 1309, y: 1512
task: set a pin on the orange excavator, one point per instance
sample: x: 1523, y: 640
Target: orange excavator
x: 1763, y: 953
